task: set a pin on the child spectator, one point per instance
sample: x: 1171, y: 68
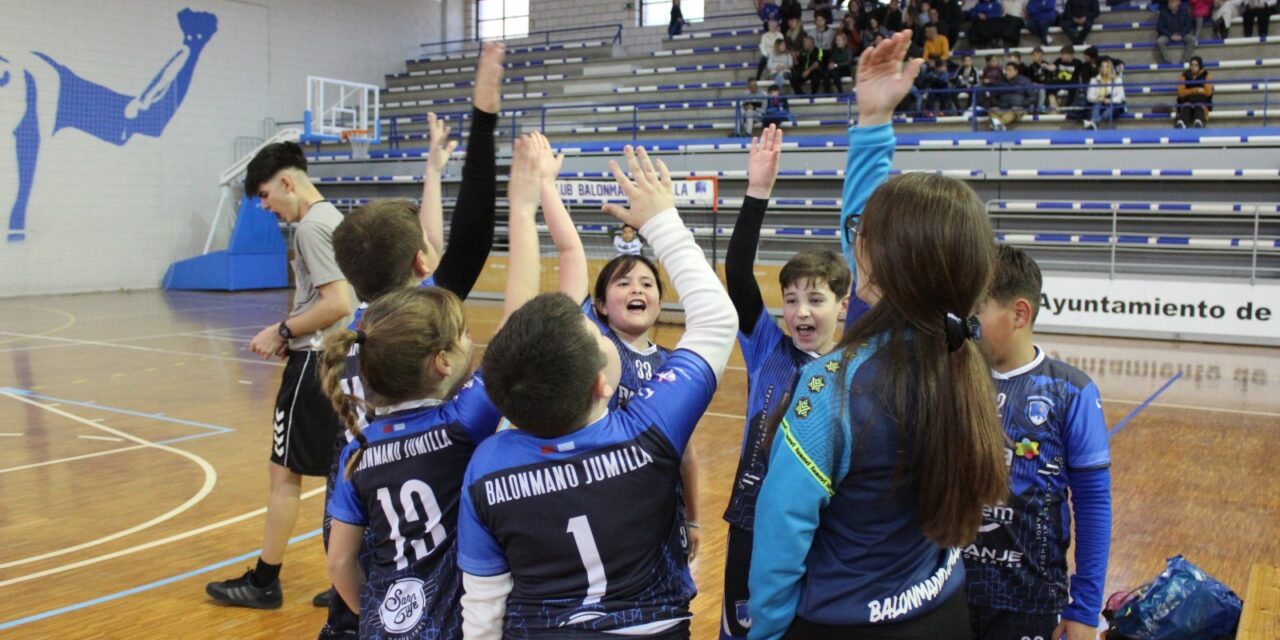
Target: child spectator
x: 780, y: 63
x: 1064, y: 85
x: 1106, y: 96
x: 1195, y: 95
x: 992, y: 76
x: 751, y: 104
x: 1174, y: 27
x: 966, y: 78
x: 1041, y: 73
x: 822, y: 34
x: 627, y: 242
x: 768, y: 40
x: 777, y: 110
x: 937, y: 85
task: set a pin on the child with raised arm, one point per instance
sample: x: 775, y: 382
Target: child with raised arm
x: 401, y: 476
x: 815, y: 291
x: 1056, y: 447
x: 570, y: 525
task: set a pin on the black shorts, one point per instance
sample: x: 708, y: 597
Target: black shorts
x: 304, y: 424
x: 735, y: 621
x: 993, y: 624
x: 943, y: 622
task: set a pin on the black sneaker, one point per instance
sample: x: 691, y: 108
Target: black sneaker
x: 322, y: 599
x: 241, y: 592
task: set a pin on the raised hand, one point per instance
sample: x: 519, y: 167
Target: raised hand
x: 525, y: 181
x: 883, y: 80
x: 762, y: 167
x: 441, y: 146
x: 548, y: 162
x: 488, y: 90
x: 649, y: 188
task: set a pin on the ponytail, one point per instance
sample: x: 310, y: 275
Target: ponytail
x: 333, y: 360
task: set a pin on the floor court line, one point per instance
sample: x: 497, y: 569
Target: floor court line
x: 70, y: 320
x: 1145, y: 403
x: 108, y: 452
x: 207, y: 333
x: 97, y: 343
x: 146, y: 587
x: 93, y: 405
x: 152, y: 544
x: 210, y: 479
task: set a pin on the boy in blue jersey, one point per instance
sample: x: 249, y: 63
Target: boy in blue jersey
x: 401, y: 476
x: 569, y: 525
x: 1052, y: 414
x: 815, y: 290
x: 388, y: 244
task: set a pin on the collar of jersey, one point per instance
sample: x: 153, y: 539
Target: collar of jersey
x: 812, y: 354
x: 407, y: 405
x: 1035, y: 362
x: 652, y: 348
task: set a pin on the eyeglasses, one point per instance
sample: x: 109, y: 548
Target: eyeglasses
x: 851, y: 228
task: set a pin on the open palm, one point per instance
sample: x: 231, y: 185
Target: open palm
x: 762, y: 167
x: 883, y: 80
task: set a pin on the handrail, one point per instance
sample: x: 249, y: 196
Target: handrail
x: 617, y: 35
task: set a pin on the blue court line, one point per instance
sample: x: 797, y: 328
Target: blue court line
x: 93, y: 405
x: 146, y: 587
x: 1124, y: 422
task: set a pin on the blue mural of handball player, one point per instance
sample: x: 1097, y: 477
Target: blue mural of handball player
x: 40, y: 97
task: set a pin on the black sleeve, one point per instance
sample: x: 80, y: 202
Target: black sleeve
x: 471, y: 232
x: 739, y: 263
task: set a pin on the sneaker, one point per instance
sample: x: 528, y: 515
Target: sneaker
x: 1199, y: 124
x: 240, y: 592
x: 1181, y: 124
x: 1088, y: 124
x: 322, y: 599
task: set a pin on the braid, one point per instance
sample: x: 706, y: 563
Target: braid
x: 332, y: 365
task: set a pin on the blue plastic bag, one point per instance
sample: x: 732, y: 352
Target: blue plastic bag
x: 1182, y: 603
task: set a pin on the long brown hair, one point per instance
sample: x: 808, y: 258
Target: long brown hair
x: 930, y: 249
x: 399, y: 335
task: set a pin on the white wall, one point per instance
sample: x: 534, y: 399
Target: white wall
x: 105, y: 217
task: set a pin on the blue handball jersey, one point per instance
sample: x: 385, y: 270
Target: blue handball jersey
x: 773, y: 366
x: 586, y: 523
x: 405, y: 491
x: 1052, y: 415
x: 638, y: 367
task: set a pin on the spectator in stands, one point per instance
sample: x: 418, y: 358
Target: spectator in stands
x: 874, y: 30
x: 909, y: 22
x: 936, y: 46
x: 890, y: 16
x: 1225, y: 12
x: 823, y: 8
x: 1258, y: 12
x: 627, y: 242
x: 1013, y: 21
x: 1016, y: 58
x: 1015, y: 94
x: 1106, y: 96
x: 1065, y: 83
x: 751, y: 106
x: 1195, y: 95
x: 992, y: 77
x: 769, y: 12
x: 676, y: 26
x: 768, y: 41
x: 950, y: 15
x: 936, y: 82
x: 1089, y: 66
x: 1077, y: 19
x: 1201, y: 10
x: 780, y: 64
x: 935, y: 19
x: 852, y: 34
x: 791, y: 9
x: 1174, y: 27
x: 987, y: 25
x: 823, y: 36
x: 840, y: 61
x: 966, y: 79
x: 1041, y: 15
x: 777, y: 110
x: 1041, y: 73
x: 794, y: 35
x: 810, y: 66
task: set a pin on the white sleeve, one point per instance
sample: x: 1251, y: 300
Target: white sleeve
x: 484, y: 605
x: 1118, y: 96
x: 711, y: 324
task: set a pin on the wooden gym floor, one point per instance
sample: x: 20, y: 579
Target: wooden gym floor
x: 134, y: 431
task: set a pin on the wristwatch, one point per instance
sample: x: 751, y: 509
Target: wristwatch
x: 284, y: 330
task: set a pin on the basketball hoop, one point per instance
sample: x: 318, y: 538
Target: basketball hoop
x: 359, y: 140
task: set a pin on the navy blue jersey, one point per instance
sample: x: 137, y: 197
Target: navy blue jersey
x: 773, y: 364
x: 638, y: 367
x: 405, y: 491
x: 586, y: 524
x: 1052, y: 415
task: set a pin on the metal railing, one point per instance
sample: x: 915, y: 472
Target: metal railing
x: 464, y: 45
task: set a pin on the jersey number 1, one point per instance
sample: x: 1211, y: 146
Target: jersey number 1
x: 434, y: 525
x: 597, y: 583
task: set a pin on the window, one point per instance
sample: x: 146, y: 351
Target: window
x: 654, y: 13
x: 502, y: 19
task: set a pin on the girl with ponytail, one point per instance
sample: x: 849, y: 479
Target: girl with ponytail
x: 400, y: 478
x: 890, y: 448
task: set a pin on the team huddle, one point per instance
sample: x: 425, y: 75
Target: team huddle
x: 907, y: 477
